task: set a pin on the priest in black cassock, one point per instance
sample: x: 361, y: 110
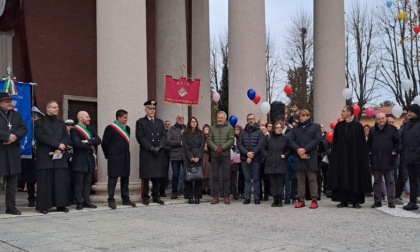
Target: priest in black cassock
x: 12, y: 129
x: 51, y: 161
x: 350, y: 177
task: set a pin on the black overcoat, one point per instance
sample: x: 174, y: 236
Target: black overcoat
x: 148, y: 135
x: 117, y: 152
x: 193, y: 146
x: 83, y: 159
x: 410, y: 137
x: 306, y: 135
x: 10, y: 153
x: 49, y: 133
x: 381, y: 144
x: 349, y: 165
x: 275, y: 146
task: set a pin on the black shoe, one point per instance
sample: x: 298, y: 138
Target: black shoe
x: 329, y: 194
x: 62, y: 209
x: 391, y: 204
x: 111, y: 204
x: 145, y: 202
x: 256, y: 201
x: 87, y: 204
x: 287, y: 200
x: 235, y: 197
x: 31, y: 204
x: 159, y: 201
x: 343, y: 204
x: 128, y: 203
x: 44, y: 211
x: 411, y: 206
x: 174, y: 195
x: 357, y: 205
x: 275, y: 201
x: 13, y: 211
x: 79, y: 207
x: 265, y: 197
x: 247, y: 201
x: 377, y: 204
x: 163, y: 195
x: 190, y: 201
x: 197, y: 201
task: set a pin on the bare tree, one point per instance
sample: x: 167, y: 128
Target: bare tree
x: 299, y: 56
x: 400, y: 50
x: 272, y: 61
x: 361, y: 64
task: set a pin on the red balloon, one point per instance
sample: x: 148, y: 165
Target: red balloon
x: 340, y: 119
x: 329, y: 136
x: 332, y: 125
x: 356, y: 109
x: 257, y: 98
x: 288, y: 89
x: 416, y: 29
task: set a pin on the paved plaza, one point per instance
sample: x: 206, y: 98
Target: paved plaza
x: 178, y: 226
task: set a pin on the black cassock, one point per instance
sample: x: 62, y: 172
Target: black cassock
x: 350, y: 177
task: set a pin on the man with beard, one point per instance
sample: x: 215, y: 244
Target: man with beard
x: 51, y: 161
x: 84, y: 140
x: 12, y: 129
x: 151, y: 135
x: 349, y: 166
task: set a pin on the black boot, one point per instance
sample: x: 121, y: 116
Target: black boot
x: 275, y: 201
x: 279, y: 200
x: 287, y: 200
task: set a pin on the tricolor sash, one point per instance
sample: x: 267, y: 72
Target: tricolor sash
x: 84, y: 131
x: 121, y: 130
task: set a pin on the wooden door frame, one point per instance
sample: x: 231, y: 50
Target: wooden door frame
x: 67, y: 98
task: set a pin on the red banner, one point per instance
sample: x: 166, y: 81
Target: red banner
x: 182, y: 90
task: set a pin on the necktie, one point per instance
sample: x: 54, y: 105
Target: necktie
x: 151, y: 120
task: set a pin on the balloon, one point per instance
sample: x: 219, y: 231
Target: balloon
x: 370, y: 112
x: 402, y: 15
x: 346, y: 93
x: 406, y: 85
x: 329, y: 136
x: 216, y: 97
x: 397, y: 111
x: 233, y: 120
x: 416, y: 29
x: 332, y: 125
x: 288, y: 89
x: 251, y: 94
x: 265, y: 107
x: 389, y: 3
x: 340, y: 119
x: 417, y: 100
x: 356, y: 109
x: 257, y: 98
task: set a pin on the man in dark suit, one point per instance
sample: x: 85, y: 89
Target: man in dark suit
x: 51, y: 161
x: 84, y: 140
x: 12, y: 129
x: 116, y: 147
x: 151, y: 135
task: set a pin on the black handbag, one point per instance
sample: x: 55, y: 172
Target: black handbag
x: 194, y: 172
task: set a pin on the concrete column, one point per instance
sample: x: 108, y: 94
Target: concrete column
x: 171, y: 53
x: 6, y: 51
x: 201, y: 58
x: 246, y: 29
x: 329, y: 60
x: 122, y: 78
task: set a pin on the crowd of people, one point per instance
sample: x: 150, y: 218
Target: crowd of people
x: 288, y: 159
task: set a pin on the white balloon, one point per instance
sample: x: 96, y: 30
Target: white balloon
x: 397, y: 111
x: 406, y: 85
x: 417, y: 100
x: 216, y: 97
x: 265, y: 107
x: 347, y: 93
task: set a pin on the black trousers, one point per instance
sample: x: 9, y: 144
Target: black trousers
x: 112, y: 183
x: 11, y: 187
x: 155, y: 188
x: 413, y: 176
x: 193, y: 189
x: 29, y: 177
x: 400, y: 180
x: 82, y: 183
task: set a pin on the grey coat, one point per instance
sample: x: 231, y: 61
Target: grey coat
x: 10, y: 153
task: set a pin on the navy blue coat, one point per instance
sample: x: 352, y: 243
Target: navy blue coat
x: 83, y: 159
x: 251, y: 139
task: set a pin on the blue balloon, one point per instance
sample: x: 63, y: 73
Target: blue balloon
x: 233, y: 120
x: 251, y: 94
x: 389, y: 3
